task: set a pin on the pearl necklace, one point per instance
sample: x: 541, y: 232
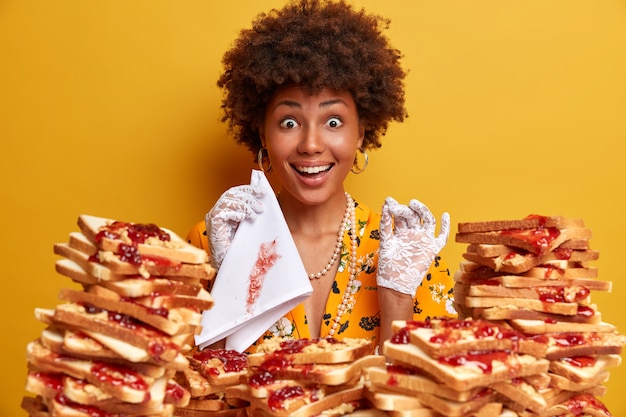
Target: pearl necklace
x: 337, y: 250
x: 347, y: 302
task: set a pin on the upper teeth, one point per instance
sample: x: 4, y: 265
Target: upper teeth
x: 313, y: 170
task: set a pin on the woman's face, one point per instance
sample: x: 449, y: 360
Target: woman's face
x: 311, y: 141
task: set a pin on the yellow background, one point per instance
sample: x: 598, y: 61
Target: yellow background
x: 110, y: 108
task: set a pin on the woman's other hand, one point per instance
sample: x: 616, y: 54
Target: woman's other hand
x: 408, y: 244
x: 234, y: 206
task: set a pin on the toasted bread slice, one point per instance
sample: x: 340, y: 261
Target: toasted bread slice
x: 521, y: 392
x: 568, y: 309
x: 519, y: 281
x: 562, y: 383
x: 132, y: 263
x: 392, y: 400
x: 445, y: 337
x: 584, y: 404
x: 585, y: 314
x: 514, y: 262
x: 198, y: 385
x: 297, y: 401
x: 169, y: 320
x: 82, y: 346
x: 408, y: 380
x: 326, y: 374
x: 161, y: 347
x: 85, y: 393
x: 232, y: 412
x: 321, y: 351
x: 220, y: 367
x: 473, y: 370
x: 119, y: 382
x: 546, y: 294
x: 584, y: 369
x: 108, y: 235
x: 537, y: 241
x: 35, y: 406
x: 571, y: 344
x: 442, y: 406
x: 132, y: 287
x: 529, y: 327
x: 529, y: 222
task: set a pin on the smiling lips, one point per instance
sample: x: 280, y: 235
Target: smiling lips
x: 313, y: 170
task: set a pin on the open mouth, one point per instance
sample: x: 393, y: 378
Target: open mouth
x: 312, y: 171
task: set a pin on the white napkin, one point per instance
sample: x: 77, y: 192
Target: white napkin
x: 242, y: 314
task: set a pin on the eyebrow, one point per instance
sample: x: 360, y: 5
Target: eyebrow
x: 295, y: 104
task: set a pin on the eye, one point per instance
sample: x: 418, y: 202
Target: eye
x: 289, y: 123
x: 334, y: 122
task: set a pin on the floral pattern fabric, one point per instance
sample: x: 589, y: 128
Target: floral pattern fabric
x: 433, y: 298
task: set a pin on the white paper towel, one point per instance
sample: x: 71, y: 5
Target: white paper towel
x: 261, y: 278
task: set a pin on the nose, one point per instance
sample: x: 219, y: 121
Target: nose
x: 312, y: 141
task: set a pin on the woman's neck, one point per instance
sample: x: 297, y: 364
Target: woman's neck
x: 314, y: 219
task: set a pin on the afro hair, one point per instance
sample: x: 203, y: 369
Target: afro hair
x: 315, y: 44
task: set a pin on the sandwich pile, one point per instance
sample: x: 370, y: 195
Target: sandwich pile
x: 458, y: 367
x: 306, y: 377
x: 114, y: 346
x: 535, y: 275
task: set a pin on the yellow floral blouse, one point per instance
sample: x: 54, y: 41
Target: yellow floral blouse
x: 433, y: 298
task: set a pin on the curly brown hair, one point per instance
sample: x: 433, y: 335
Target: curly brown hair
x: 315, y: 44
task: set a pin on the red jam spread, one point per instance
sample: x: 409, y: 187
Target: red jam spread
x: 577, y: 404
x: 157, y: 311
x: 261, y: 378
x: 137, y: 233
x: 569, y: 339
x: 119, y: 376
x: 394, y: 370
x: 232, y: 361
x: 585, y: 311
x: 89, y: 410
x: 480, y: 329
x: 401, y: 337
x: 557, y: 294
x: 581, y: 361
x: 174, y: 392
x: 277, y: 398
x: 275, y: 362
x: 563, y: 254
x: 482, y: 360
x: 295, y: 345
x: 54, y: 381
x: 539, y: 239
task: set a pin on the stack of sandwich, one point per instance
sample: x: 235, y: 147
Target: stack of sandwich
x: 455, y: 368
x: 306, y: 377
x: 210, y: 372
x: 113, y: 347
x: 535, y: 275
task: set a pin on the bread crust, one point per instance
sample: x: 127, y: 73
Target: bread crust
x: 529, y: 222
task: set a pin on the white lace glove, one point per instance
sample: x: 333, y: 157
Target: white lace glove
x: 408, y: 244
x: 234, y: 206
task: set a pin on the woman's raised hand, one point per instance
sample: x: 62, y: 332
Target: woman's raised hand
x: 408, y: 244
x: 234, y: 206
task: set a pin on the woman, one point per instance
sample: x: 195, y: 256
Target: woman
x: 308, y: 90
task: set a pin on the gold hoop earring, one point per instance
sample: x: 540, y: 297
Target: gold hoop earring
x: 259, y: 161
x: 355, y: 167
